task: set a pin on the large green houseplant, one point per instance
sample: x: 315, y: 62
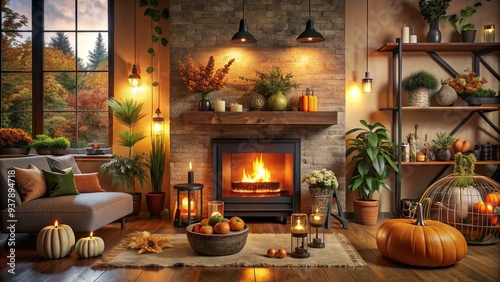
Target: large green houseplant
x: 372, y: 160
x: 125, y: 170
x: 156, y: 199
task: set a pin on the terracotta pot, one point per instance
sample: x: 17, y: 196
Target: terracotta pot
x: 155, y: 202
x: 366, y: 212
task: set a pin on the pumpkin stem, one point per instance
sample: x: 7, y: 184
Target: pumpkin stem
x: 420, y: 215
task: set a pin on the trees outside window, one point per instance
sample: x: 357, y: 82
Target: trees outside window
x: 55, y: 74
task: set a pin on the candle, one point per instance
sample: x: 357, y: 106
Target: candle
x: 298, y: 228
x: 420, y: 158
x: 413, y: 36
x: 236, y: 107
x: 220, y: 106
x: 190, y: 173
x: 489, y: 33
x: 89, y: 247
x: 405, y: 34
x: 185, y: 208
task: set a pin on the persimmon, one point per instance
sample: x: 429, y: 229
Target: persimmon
x: 222, y: 227
x: 236, y: 223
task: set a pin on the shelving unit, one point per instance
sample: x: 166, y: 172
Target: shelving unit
x: 477, y: 50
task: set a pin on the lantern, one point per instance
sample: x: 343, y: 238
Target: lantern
x: 317, y: 222
x: 189, y: 204
x: 299, y: 236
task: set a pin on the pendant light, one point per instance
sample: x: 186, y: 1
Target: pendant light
x: 366, y: 84
x: 134, y: 78
x: 310, y: 35
x: 243, y: 36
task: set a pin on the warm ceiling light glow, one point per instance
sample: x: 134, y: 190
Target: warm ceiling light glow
x: 310, y: 35
x: 367, y: 83
x: 243, y: 36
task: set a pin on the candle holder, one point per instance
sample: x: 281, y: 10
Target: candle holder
x: 216, y: 207
x: 317, y: 222
x: 189, y: 204
x: 299, y: 236
x: 489, y: 33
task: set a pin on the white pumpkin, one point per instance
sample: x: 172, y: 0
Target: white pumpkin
x: 460, y: 200
x: 89, y: 247
x: 55, y: 241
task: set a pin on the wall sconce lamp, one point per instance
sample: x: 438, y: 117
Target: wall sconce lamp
x: 366, y: 83
x: 310, y: 35
x: 243, y: 36
x: 134, y: 78
x: 158, y: 122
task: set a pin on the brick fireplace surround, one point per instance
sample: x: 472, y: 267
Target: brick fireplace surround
x: 200, y: 29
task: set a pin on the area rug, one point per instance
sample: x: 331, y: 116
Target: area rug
x: 338, y: 252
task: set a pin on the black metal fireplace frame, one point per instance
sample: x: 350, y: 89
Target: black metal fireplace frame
x: 281, y: 206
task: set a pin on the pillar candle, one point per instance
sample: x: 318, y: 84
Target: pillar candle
x: 405, y: 34
x: 190, y: 173
x: 220, y: 106
x: 236, y: 108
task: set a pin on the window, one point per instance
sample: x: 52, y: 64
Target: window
x: 56, y: 71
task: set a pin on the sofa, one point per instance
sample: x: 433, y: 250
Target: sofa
x: 83, y: 211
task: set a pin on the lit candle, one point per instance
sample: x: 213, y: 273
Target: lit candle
x: 190, y: 173
x: 420, y: 158
x: 298, y: 228
x: 220, y: 106
x: 185, y: 208
x: 89, y: 247
x: 489, y: 33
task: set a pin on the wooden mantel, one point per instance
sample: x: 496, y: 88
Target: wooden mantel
x: 260, y: 117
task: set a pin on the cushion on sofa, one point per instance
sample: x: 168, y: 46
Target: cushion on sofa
x: 61, y: 182
x: 88, y: 183
x: 30, y: 182
x: 63, y: 162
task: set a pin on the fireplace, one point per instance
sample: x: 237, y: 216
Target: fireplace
x: 257, y: 177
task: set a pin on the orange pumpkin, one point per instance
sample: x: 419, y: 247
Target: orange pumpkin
x: 493, y: 198
x: 429, y: 244
x: 461, y: 145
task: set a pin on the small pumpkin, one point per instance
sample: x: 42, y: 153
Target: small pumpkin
x: 419, y: 243
x: 55, y: 241
x: 492, y: 198
x: 89, y: 247
x: 461, y: 145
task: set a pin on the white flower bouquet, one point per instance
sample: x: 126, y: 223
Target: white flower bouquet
x: 322, y: 178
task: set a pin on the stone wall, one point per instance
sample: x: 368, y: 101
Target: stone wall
x: 201, y: 28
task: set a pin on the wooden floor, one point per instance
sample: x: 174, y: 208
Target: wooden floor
x: 482, y: 263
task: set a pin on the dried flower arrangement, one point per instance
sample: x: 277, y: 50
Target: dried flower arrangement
x: 14, y: 138
x: 204, y: 79
x: 467, y: 82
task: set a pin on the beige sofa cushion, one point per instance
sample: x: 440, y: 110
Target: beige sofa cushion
x: 31, y: 182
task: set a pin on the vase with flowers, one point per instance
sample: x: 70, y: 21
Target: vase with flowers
x: 470, y: 88
x: 204, y: 79
x: 322, y: 184
x: 14, y: 141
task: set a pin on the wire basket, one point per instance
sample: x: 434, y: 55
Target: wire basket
x: 474, y: 210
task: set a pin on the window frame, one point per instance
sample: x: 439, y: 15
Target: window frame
x: 38, y: 72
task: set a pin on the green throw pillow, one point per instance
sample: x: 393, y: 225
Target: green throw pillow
x: 61, y: 182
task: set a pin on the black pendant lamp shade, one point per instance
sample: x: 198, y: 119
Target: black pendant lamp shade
x: 243, y: 36
x: 310, y: 35
x: 366, y: 83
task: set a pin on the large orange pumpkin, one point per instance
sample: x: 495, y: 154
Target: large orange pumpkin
x: 429, y: 244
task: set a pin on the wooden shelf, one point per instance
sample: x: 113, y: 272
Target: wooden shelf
x: 441, y: 47
x: 260, y: 117
x: 447, y: 163
x: 444, y: 109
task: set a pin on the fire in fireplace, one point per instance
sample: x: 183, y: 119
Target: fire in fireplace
x: 257, y: 178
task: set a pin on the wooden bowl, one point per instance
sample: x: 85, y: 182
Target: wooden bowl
x: 217, y: 244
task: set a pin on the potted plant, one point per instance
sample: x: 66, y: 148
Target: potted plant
x: 462, y: 26
x: 417, y: 87
x: 322, y: 183
x: 274, y: 86
x: 443, y: 143
x: 42, y: 144
x: 433, y: 11
x: 125, y: 170
x: 59, y: 145
x: 204, y: 79
x: 14, y: 141
x: 372, y: 160
x: 469, y: 87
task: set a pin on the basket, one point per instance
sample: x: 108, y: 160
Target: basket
x: 418, y: 98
